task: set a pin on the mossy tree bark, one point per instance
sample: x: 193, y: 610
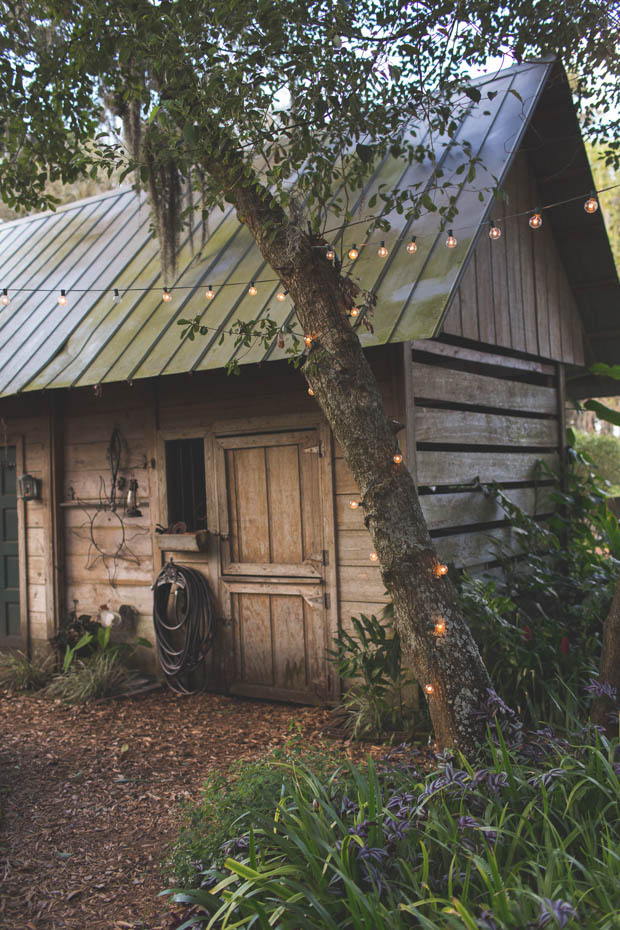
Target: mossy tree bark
x: 348, y: 394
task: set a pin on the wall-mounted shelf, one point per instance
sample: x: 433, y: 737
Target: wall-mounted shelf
x: 183, y: 542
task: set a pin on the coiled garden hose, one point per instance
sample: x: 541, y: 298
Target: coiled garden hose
x: 184, y: 616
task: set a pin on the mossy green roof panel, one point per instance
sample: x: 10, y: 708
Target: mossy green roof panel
x: 93, y: 246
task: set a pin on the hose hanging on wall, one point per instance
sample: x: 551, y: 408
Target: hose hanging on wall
x: 184, y: 616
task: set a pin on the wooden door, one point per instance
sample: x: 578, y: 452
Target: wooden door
x: 9, y: 553
x: 273, y: 560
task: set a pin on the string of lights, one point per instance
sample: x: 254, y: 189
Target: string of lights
x: 535, y: 220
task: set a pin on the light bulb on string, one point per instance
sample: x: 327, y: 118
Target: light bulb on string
x: 310, y: 392
x: 281, y: 296
x: 354, y: 311
x: 209, y: 293
x: 252, y: 290
x: 412, y: 247
x: 440, y: 569
x: 451, y: 241
x: 330, y: 255
x: 382, y: 253
x: 62, y: 300
x: 5, y: 300
x: 374, y: 557
x: 116, y: 296
x: 353, y: 252
x: 591, y: 204
x: 397, y: 458
x: 429, y: 689
x: 535, y: 220
x: 494, y: 231
x: 440, y: 626
x: 353, y: 504
x: 308, y: 339
x: 166, y: 296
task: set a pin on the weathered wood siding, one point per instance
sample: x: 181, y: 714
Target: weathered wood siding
x: 515, y: 292
x: 480, y: 416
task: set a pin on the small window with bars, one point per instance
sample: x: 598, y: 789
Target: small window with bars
x: 185, y: 483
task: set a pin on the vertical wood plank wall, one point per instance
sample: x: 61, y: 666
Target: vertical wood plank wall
x: 515, y: 292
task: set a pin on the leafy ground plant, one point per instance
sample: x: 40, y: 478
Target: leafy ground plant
x: 19, y: 672
x: 100, y: 675
x: 380, y: 698
x: 528, y: 838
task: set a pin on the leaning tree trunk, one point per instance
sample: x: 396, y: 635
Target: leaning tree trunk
x: 605, y: 708
x: 444, y: 658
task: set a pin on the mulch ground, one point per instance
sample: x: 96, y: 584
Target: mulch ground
x: 90, y: 798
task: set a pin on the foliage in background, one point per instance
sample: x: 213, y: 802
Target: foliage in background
x: 529, y: 838
x: 539, y: 626
x: 379, y: 701
x: 18, y: 672
x: 603, y: 453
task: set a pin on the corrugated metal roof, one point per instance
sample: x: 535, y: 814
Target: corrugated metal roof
x: 105, y: 242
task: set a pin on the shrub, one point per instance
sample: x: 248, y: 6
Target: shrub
x: 530, y: 838
x: 100, y: 675
x: 539, y: 625
x: 18, y: 672
x: 603, y: 452
x: 380, y: 699
x: 230, y: 801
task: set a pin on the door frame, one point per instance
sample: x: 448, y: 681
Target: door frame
x: 17, y: 440
x: 289, y: 423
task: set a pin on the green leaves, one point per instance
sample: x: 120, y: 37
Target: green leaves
x: 602, y: 411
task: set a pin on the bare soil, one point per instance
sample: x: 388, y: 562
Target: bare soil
x: 90, y: 798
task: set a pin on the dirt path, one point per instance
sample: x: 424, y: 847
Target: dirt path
x: 89, y: 799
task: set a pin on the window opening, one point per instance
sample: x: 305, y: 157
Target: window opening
x: 185, y: 483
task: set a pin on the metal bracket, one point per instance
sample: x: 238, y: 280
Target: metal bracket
x: 169, y: 575
x: 315, y: 450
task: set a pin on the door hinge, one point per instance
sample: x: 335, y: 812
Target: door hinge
x: 317, y: 450
x: 326, y: 600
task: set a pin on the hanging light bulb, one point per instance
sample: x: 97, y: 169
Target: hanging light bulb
x: 591, y: 204
x: 5, y: 300
x: 354, y: 311
x: 308, y: 339
x: 382, y: 253
x: 354, y: 504
x: 252, y: 290
x: 281, y: 295
x: 330, y: 254
x: 494, y: 231
x: 209, y: 293
x: 62, y: 300
x: 374, y: 557
x: 440, y: 627
x: 440, y: 569
x: 412, y: 247
x: 397, y: 458
x: 116, y: 296
x: 353, y: 252
x: 451, y: 242
x: 429, y: 688
x: 310, y: 392
x: 166, y: 296
x: 535, y: 220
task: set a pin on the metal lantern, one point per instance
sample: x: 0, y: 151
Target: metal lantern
x: 29, y: 488
x: 132, y: 499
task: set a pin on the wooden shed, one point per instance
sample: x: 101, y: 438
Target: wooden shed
x: 473, y: 347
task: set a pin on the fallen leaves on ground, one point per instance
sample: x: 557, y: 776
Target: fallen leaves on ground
x: 90, y: 798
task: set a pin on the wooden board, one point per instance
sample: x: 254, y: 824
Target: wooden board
x: 437, y: 467
x: 472, y: 507
x: 468, y: 427
x: 463, y: 387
